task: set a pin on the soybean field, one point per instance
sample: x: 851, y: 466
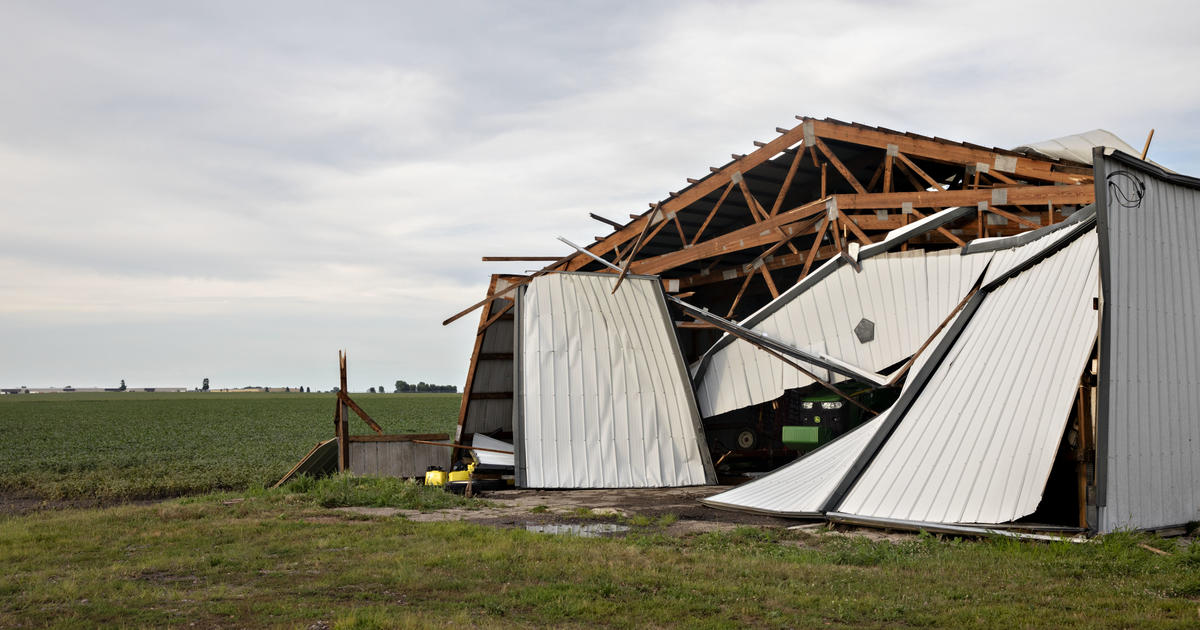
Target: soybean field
x: 132, y: 445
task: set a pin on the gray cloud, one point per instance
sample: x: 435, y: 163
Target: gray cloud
x: 239, y: 189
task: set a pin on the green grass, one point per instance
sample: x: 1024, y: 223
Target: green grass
x: 143, y: 445
x: 349, y: 490
x: 272, y: 561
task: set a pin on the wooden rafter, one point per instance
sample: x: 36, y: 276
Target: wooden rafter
x: 787, y: 181
x: 950, y: 153
x: 766, y: 273
x: 1016, y: 195
x: 837, y: 163
x: 491, y: 296
x: 738, y: 298
x: 1014, y: 217
x: 849, y: 222
x: 947, y: 233
x: 877, y: 174
x: 908, y: 174
x: 519, y: 258
x: 712, y: 213
x: 1001, y: 177
x: 496, y: 316
x: 694, y: 193
x: 1018, y: 166
x: 637, y: 245
x: 679, y: 227
x: 920, y: 173
x: 736, y: 240
x: 887, y: 172
x: 756, y: 209
x: 816, y: 246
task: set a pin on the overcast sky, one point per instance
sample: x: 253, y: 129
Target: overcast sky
x: 236, y: 190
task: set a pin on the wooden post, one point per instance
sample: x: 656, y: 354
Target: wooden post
x: 1085, y: 445
x: 343, y: 421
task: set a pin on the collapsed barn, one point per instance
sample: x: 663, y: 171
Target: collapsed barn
x: 953, y: 334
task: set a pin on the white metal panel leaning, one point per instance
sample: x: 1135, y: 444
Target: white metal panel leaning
x: 603, y: 398
x: 905, y: 295
x: 977, y: 443
x: 802, y: 487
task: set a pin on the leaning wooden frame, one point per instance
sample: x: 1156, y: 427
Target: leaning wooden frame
x: 387, y: 455
x: 736, y: 238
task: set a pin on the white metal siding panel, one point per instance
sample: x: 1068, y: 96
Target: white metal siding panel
x: 605, y: 399
x: 488, y: 458
x: 977, y: 444
x: 906, y: 294
x: 1005, y: 260
x: 1150, y: 379
x: 802, y: 487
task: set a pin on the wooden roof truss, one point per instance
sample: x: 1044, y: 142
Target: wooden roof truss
x: 741, y: 235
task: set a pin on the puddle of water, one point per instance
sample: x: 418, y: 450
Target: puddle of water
x: 591, y: 530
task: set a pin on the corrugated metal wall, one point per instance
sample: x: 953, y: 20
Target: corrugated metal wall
x: 604, y: 400
x: 905, y: 294
x: 1149, y: 389
x: 978, y: 441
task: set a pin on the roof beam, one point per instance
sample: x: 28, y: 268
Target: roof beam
x: 927, y: 148
x: 841, y: 168
x: 693, y: 193
x: 1016, y: 195
x: 760, y: 233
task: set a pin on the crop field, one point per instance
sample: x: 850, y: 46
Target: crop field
x: 141, y: 445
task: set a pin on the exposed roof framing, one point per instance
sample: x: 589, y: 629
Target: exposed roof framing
x: 752, y: 228
x: 880, y: 180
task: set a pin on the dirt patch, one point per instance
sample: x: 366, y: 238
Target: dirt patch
x: 17, y: 503
x: 166, y: 577
x: 332, y: 520
x: 536, y: 508
x: 651, y: 502
x: 540, y: 510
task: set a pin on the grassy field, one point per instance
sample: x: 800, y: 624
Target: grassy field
x: 276, y: 559
x: 261, y: 558
x: 143, y: 445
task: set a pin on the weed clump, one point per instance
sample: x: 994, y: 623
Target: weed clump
x: 347, y: 490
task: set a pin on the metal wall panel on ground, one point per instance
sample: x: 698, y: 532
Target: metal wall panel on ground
x: 1149, y: 387
x: 977, y: 443
x: 604, y: 400
x: 906, y: 295
x: 803, y: 486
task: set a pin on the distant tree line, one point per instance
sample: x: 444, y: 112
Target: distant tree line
x: 204, y: 387
x: 423, y: 388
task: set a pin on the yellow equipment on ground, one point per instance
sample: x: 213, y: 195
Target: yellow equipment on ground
x: 435, y: 476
